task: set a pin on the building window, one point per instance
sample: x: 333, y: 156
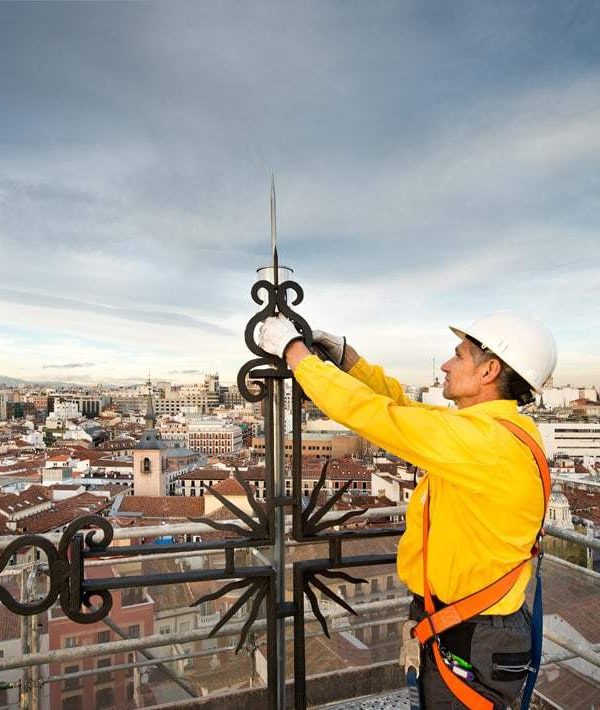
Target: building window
x: 105, y: 698
x: 129, y: 691
x: 145, y: 465
x: 103, y: 663
x: 133, y: 595
x: 133, y: 631
x: 75, y: 702
x: 103, y: 636
x: 71, y: 683
x: 69, y: 642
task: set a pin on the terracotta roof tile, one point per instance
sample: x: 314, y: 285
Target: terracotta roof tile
x: 63, y: 512
x: 205, y: 474
x: 163, y: 507
x: 228, y: 487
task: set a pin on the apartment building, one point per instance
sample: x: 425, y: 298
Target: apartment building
x: 316, y: 445
x: 196, y: 482
x: 132, y: 611
x: 90, y: 405
x: 201, y: 398
x: 213, y: 437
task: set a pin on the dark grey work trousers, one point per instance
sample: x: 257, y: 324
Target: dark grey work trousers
x: 498, y: 647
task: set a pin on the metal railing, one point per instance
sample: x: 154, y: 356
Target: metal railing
x: 571, y: 650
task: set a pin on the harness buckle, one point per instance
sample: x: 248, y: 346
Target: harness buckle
x: 540, y: 556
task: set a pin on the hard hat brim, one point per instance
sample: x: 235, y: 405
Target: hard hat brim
x: 458, y: 332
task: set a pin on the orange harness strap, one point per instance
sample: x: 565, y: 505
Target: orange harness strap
x: 437, y: 622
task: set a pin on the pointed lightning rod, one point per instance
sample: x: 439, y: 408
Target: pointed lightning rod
x: 278, y: 429
x: 274, y: 255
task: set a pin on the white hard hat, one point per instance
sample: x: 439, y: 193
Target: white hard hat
x: 522, y: 342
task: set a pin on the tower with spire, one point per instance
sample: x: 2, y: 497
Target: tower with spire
x: 149, y: 456
x: 150, y: 413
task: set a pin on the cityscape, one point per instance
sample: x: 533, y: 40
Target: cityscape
x: 158, y: 454
x: 181, y: 526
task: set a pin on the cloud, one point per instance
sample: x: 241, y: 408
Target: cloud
x: 431, y: 161
x: 69, y: 366
x: 151, y: 317
x: 185, y: 372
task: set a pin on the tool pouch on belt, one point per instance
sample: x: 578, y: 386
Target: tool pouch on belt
x: 410, y: 651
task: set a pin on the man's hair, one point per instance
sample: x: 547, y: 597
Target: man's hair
x: 510, y: 385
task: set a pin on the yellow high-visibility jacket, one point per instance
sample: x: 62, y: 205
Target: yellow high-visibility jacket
x: 486, y: 495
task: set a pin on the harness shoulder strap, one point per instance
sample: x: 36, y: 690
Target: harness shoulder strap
x: 538, y: 455
x: 438, y: 621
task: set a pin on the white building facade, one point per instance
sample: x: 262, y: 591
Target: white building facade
x: 574, y: 439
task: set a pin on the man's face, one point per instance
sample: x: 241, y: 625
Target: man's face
x: 462, y: 381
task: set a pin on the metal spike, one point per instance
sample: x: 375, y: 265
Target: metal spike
x: 257, y: 601
x: 326, y: 507
x: 244, y: 517
x: 273, y: 218
x: 260, y: 513
x: 234, y: 608
x: 332, y: 595
x: 338, y: 574
x: 314, y: 496
x: 337, y: 521
x: 314, y: 605
x: 222, y: 591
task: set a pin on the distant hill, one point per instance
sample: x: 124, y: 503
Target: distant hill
x: 16, y: 382
x: 12, y: 381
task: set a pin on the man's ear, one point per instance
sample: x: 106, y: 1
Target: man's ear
x: 492, y: 370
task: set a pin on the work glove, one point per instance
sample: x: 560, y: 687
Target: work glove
x: 329, y: 347
x: 276, y: 333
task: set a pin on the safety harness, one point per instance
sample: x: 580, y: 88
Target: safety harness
x: 438, y: 621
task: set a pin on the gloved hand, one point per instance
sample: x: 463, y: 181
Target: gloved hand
x: 332, y: 346
x: 276, y: 333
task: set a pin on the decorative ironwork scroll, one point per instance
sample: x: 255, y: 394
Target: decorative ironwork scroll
x: 65, y: 571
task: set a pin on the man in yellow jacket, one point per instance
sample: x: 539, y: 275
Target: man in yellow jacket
x: 486, y: 498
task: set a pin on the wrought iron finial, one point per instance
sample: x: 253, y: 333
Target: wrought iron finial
x: 273, y: 296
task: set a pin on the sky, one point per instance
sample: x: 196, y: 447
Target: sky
x: 433, y: 161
